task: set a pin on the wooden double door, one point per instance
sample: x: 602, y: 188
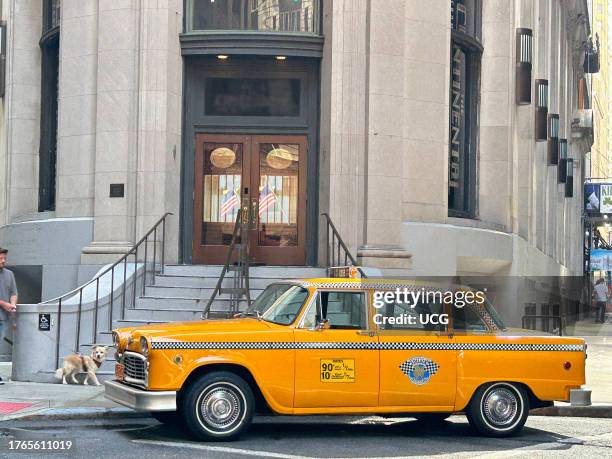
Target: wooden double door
x: 265, y: 175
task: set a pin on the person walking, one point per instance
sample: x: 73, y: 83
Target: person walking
x: 8, y: 295
x: 601, y: 299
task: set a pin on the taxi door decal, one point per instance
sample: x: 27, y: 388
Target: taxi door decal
x: 337, y: 370
x: 419, y: 369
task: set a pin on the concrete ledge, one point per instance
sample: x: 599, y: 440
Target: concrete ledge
x: 593, y: 411
x: 83, y: 413
x: 384, y: 257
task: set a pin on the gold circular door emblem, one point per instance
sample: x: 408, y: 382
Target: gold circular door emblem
x: 222, y: 157
x: 279, y: 158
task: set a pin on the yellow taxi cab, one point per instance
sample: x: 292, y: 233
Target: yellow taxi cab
x: 345, y: 346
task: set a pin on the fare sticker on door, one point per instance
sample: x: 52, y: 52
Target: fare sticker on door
x: 337, y: 370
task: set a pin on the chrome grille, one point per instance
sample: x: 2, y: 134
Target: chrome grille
x: 135, y: 368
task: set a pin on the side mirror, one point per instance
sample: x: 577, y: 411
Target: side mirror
x: 323, y: 324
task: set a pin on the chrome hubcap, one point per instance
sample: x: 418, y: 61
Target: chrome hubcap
x: 220, y: 407
x: 500, y: 406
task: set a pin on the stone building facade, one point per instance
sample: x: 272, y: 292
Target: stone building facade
x: 398, y: 118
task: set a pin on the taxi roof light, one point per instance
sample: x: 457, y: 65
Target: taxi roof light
x: 351, y: 272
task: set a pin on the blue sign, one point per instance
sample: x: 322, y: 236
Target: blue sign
x: 601, y: 260
x: 592, y: 197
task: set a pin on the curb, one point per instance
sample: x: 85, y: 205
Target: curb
x: 593, y: 411
x: 83, y: 413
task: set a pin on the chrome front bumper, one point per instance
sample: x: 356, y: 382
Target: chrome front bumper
x: 139, y: 399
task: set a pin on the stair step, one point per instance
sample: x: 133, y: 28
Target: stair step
x: 181, y: 303
x: 163, y: 315
x: 188, y: 292
x: 232, y: 291
x: 275, y: 272
x: 200, y: 282
x: 135, y: 323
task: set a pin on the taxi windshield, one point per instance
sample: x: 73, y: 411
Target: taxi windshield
x: 280, y: 303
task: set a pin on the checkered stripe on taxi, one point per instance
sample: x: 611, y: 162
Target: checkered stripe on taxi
x: 389, y: 346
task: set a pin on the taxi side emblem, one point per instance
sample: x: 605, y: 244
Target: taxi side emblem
x: 419, y: 369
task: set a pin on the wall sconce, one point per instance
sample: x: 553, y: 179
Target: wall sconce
x: 524, y: 53
x: 569, y: 181
x: 553, y: 139
x: 541, y: 112
x: 562, y: 169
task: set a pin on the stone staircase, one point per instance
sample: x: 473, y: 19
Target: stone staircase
x: 181, y: 293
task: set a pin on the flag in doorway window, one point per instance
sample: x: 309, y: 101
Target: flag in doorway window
x: 230, y: 202
x: 267, y: 199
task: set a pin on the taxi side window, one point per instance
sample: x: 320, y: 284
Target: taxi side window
x: 344, y: 310
x: 402, y: 316
x: 312, y: 316
x: 467, y: 319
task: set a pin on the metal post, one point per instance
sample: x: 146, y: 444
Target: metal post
x: 154, y: 254
x: 135, y: 276
x: 327, y: 246
x: 123, y: 290
x: 163, y: 247
x: 78, y: 330
x: 112, y: 294
x: 59, y: 328
x: 95, y: 321
x: 144, y: 282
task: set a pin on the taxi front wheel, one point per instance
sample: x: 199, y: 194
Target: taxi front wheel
x: 498, y: 409
x: 218, y: 406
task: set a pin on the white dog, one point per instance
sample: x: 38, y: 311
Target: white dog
x: 78, y: 363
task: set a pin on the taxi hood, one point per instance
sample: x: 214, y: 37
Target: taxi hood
x: 179, y: 330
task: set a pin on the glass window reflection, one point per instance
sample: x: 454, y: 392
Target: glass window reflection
x: 256, y: 15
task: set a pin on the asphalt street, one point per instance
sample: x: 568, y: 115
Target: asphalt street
x: 277, y: 437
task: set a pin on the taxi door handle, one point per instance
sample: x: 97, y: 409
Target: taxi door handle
x: 369, y: 333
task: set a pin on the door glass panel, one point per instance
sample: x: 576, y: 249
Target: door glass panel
x: 278, y: 194
x: 221, y: 191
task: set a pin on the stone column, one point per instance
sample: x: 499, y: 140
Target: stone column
x: 159, y: 122
x: 387, y: 118
x: 343, y: 102
x: 21, y: 110
x: 77, y: 108
x: 496, y: 110
x: 116, y: 124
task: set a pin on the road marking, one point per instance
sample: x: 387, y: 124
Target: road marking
x: 221, y: 449
x: 530, y: 449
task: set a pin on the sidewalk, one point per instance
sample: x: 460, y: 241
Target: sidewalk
x: 20, y: 399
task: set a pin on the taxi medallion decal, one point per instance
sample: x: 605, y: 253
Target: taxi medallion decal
x: 419, y: 369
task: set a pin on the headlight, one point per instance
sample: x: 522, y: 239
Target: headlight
x: 116, y: 343
x: 144, y: 346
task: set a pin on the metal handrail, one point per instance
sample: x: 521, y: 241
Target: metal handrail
x: 333, y: 250
x: 559, y: 319
x: 124, y: 259
x: 230, y: 250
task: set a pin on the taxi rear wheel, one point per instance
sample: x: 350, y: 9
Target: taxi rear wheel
x: 218, y: 406
x: 498, y: 409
